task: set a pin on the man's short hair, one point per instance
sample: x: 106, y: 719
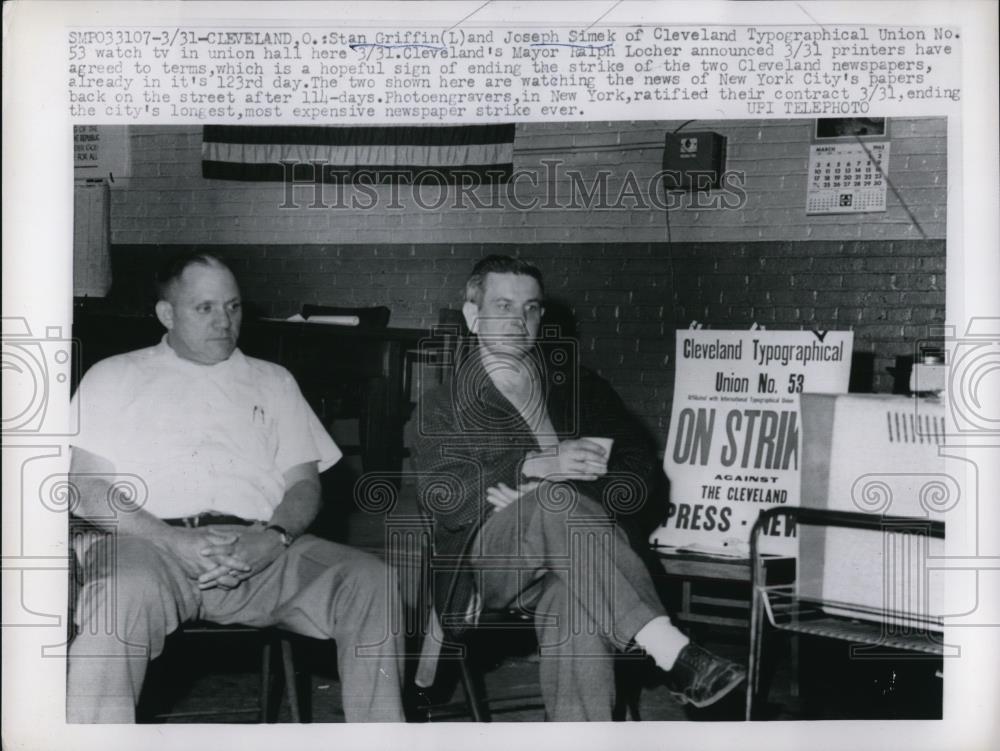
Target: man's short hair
x: 497, y: 264
x: 170, y: 272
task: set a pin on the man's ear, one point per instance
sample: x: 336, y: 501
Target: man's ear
x: 165, y: 312
x: 471, y: 312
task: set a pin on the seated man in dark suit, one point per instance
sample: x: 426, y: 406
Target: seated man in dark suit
x: 227, y: 455
x: 531, y: 515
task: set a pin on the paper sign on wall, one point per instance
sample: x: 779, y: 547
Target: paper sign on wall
x: 100, y: 151
x: 734, y: 447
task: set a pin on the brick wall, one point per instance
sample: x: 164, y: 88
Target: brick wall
x: 626, y: 299
x: 167, y: 201
x: 627, y: 275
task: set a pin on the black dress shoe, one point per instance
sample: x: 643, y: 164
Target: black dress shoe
x: 701, y: 678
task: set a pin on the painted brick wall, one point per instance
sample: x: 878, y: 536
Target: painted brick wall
x: 167, y: 201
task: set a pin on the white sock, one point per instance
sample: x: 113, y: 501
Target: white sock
x: 662, y: 641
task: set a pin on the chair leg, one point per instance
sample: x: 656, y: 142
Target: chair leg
x: 756, y: 653
x: 628, y: 688
x: 291, y: 686
x: 265, y: 682
x: 793, y: 649
x: 632, y: 703
x: 477, y: 705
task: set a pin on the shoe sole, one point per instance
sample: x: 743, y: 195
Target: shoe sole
x: 682, y: 699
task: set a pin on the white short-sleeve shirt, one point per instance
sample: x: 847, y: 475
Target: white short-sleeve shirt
x: 200, y: 437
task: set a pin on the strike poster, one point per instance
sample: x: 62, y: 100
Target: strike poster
x: 734, y: 446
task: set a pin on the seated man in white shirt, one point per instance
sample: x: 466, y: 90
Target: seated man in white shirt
x: 227, y: 456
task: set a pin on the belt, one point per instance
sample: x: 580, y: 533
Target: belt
x: 208, y: 517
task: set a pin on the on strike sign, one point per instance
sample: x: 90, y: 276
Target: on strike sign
x: 734, y: 445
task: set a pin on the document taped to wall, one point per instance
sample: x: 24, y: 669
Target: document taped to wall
x: 734, y: 445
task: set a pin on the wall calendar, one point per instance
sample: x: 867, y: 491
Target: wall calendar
x: 847, y: 178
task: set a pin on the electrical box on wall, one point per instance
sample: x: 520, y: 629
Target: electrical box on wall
x: 694, y: 161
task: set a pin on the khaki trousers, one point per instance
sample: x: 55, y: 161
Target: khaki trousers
x: 135, y: 593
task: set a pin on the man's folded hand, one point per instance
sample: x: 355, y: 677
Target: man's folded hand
x: 252, y: 551
x: 500, y: 496
x: 207, y: 553
x: 575, y: 459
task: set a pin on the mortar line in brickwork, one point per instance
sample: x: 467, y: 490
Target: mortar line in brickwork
x: 639, y: 146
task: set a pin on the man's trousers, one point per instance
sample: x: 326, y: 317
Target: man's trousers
x: 557, y: 553
x: 136, y: 593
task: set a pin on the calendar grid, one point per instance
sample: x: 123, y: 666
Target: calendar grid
x: 847, y: 178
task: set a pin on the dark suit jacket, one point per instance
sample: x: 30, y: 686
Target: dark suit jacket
x: 471, y: 438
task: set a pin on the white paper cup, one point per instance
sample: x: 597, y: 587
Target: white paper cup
x: 604, y: 443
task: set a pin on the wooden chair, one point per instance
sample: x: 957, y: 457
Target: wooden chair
x: 438, y: 352
x: 461, y: 654
x: 276, y: 670
x: 464, y: 654
x: 343, y: 398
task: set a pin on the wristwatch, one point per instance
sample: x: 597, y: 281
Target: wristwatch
x: 286, y: 539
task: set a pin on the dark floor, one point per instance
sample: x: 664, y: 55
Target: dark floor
x: 220, y: 675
